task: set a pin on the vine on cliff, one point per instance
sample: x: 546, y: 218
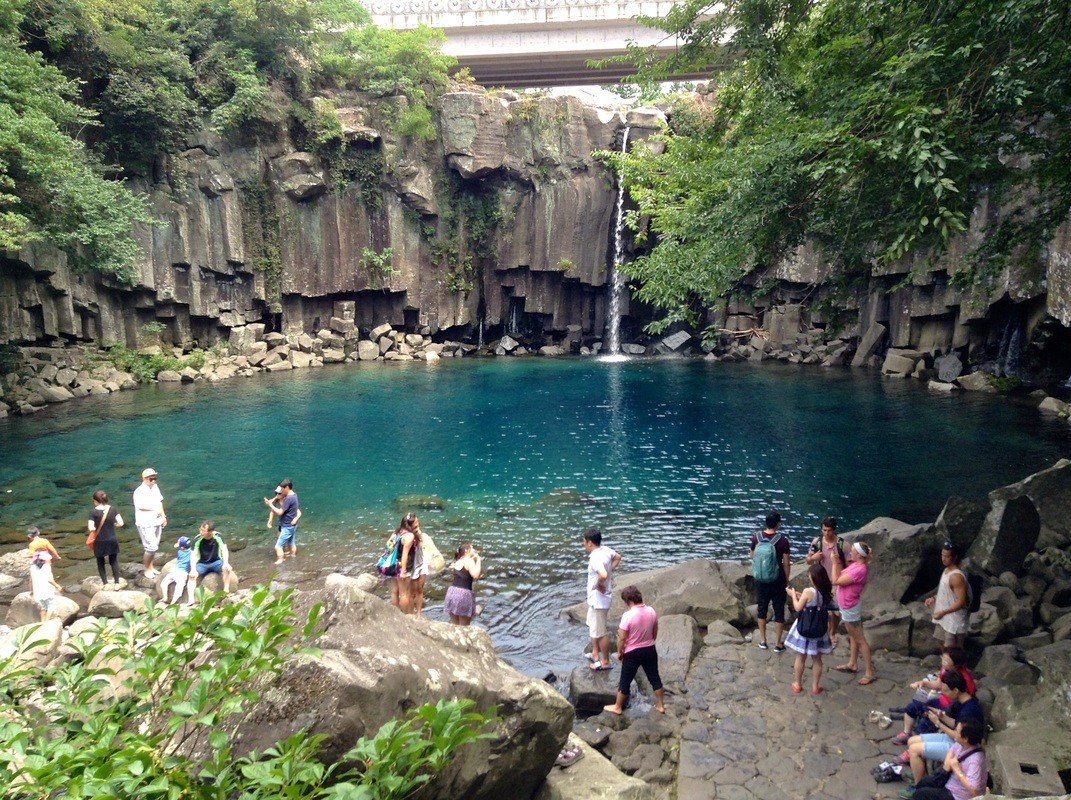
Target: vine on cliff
x: 470, y: 216
x: 260, y: 228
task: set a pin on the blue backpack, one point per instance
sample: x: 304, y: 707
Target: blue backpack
x: 765, y: 565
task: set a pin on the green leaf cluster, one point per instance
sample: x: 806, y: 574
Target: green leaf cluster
x: 88, y: 83
x: 188, y: 683
x: 871, y: 129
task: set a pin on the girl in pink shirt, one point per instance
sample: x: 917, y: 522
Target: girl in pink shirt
x: 636, y: 648
x: 850, y: 582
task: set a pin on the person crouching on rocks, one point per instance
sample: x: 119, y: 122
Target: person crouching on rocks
x: 636, y: 648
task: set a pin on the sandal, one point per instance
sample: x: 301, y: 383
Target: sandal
x: 866, y: 680
x: 597, y: 667
x: 846, y: 668
x: 569, y: 755
x: 797, y: 689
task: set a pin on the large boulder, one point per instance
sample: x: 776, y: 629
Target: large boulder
x: 906, y: 559
x: 1050, y: 492
x: 593, y: 777
x: 31, y: 646
x: 24, y: 610
x: 699, y: 588
x: 363, y: 677
x: 115, y: 604
x: 1008, y: 534
x: 959, y: 522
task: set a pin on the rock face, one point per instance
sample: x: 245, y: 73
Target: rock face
x: 248, y: 231
x: 357, y: 684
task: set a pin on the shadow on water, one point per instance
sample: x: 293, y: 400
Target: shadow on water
x: 672, y: 459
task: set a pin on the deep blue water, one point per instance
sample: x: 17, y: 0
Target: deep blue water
x: 672, y: 459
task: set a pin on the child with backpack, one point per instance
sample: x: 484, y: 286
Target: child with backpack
x: 810, y: 632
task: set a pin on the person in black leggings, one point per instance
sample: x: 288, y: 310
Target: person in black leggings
x: 636, y: 648
x: 106, y: 545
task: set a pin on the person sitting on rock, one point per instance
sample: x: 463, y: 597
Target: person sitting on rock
x: 965, y: 771
x: 935, y: 746
x: 915, y: 721
x: 210, y: 554
x: 179, y: 575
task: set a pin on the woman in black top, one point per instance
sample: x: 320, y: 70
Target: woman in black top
x: 460, y: 602
x: 106, y: 545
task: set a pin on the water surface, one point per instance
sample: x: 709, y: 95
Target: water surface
x: 671, y: 459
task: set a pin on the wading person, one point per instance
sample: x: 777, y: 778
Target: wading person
x: 289, y: 512
x: 460, y: 602
x: 771, y: 567
x: 412, y: 566
x: 636, y: 637
x: 149, y: 517
x: 602, y: 561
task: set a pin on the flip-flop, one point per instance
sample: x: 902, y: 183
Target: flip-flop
x: 818, y: 691
x: 591, y: 658
x: 600, y: 667
x: 866, y: 680
x: 797, y: 689
x: 846, y: 668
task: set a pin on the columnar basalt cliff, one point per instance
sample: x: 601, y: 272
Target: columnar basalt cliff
x: 503, y: 224
x: 505, y: 219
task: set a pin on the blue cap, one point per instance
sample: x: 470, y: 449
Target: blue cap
x: 183, y: 541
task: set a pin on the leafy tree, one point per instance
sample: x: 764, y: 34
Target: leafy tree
x: 51, y: 187
x: 871, y: 129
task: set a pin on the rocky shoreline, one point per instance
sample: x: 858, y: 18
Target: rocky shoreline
x: 52, y: 375
x: 733, y: 728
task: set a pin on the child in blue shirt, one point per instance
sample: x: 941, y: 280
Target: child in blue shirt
x: 180, y: 573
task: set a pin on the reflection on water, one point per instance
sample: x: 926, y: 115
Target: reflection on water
x: 671, y: 459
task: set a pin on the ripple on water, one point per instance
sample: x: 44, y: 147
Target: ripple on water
x: 673, y: 460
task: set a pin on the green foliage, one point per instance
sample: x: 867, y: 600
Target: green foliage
x: 86, y: 82
x: 565, y: 264
x: 189, y: 683
x: 1003, y: 384
x: 470, y: 215
x: 51, y: 187
x: 142, y: 366
x: 871, y: 129
x: 379, y: 265
x: 357, y: 164
x: 260, y: 229
x: 10, y: 358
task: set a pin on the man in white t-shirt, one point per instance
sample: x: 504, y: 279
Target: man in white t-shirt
x: 149, y: 518
x: 602, y: 561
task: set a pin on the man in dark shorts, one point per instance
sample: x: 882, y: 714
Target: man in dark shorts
x: 772, y: 591
x: 289, y: 513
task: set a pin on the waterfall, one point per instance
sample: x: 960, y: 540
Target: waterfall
x: 512, y: 330
x: 1011, y: 346
x: 617, y: 280
x: 479, y: 340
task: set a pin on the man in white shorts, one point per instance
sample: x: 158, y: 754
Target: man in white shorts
x: 149, y: 518
x: 602, y: 561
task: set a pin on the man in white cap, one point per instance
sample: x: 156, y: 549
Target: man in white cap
x: 149, y: 517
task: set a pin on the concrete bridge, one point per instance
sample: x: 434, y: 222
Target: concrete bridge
x: 532, y: 43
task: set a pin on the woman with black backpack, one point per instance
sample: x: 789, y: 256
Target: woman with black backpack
x: 810, y: 632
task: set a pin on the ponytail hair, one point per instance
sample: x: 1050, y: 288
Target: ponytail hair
x: 465, y: 547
